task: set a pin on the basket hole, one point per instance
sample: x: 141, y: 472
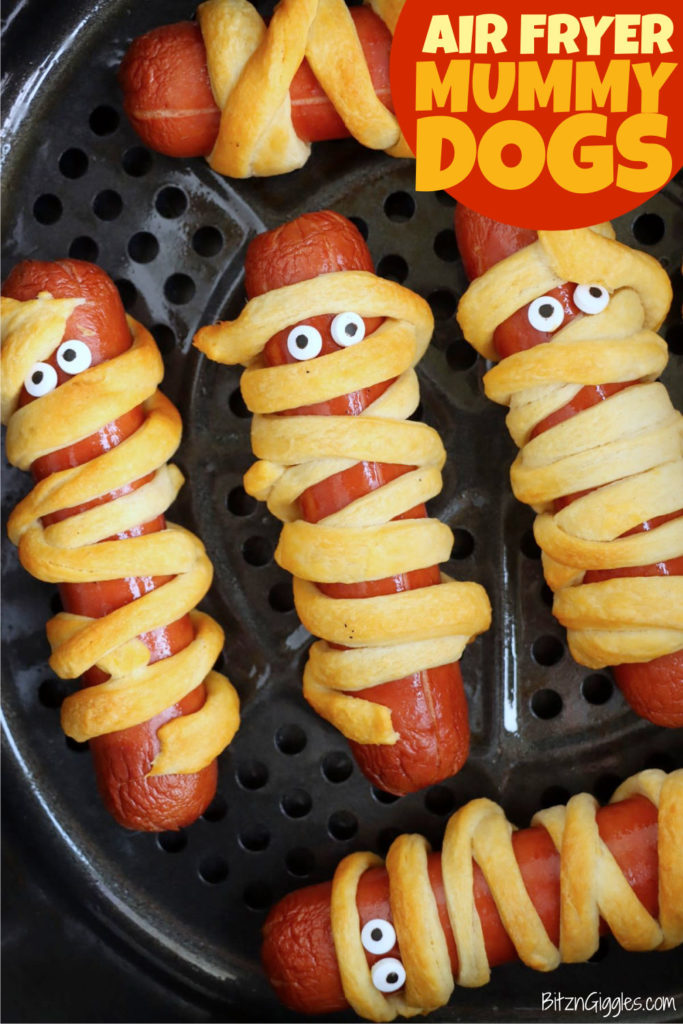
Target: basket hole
x: 602, y: 950
x: 300, y: 861
x: 216, y: 810
x: 460, y: 355
x: 207, y: 241
x: 281, y: 597
x: 78, y: 748
x: 55, y: 603
x: 255, y: 838
x: 171, y: 202
x: 546, y: 704
x: 648, y: 228
x: 665, y: 762
x: 604, y: 787
x: 443, y: 304
x: 445, y: 246
x: 547, y: 596
x: 137, y: 161
x: 674, y: 339
x: 463, y: 543
x: 258, y: 896
x: 382, y: 797
x: 240, y: 503
x: 128, y: 293
x: 386, y: 838
x: 237, y: 405
x: 104, y: 120
x: 439, y: 800
x: 257, y: 551
x: 297, y: 803
x: 528, y: 545
x: 290, y: 739
x: 73, y: 163
x: 362, y: 226
x: 337, y: 766
x: 547, y: 650
x: 399, y: 206
x: 107, y: 204
x: 179, y: 289
x: 84, y: 248
x: 143, y: 247
x: 393, y: 268
x: 164, y: 337
x: 252, y: 775
x: 342, y: 825
x: 554, y: 795
x: 52, y: 692
x: 213, y: 870
x: 597, y: 689
x: 172, y: 842
x: 47, y: 209
x: 444, y: 199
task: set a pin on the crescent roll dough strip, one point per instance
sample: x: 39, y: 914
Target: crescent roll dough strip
x: 628, y: 448
x: 389, y: 636
x: 75, y: 549
x: 251, y: 68
x: 591, y: 885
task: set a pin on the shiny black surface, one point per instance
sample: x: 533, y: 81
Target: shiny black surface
x: 167, y: 928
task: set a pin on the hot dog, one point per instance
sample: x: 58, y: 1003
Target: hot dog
x: 348, y: 475
x: 543, y: 894
x: 606, y: 566
x: 76, y: 370
x: 215, y: 88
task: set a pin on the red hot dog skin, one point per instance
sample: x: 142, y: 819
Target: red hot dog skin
x: 427, y: 710
x: 173, y: 89
x: 652, y: 687
x: 302, y: 959
x: 95, y: 333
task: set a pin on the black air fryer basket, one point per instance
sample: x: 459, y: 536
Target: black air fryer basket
x: 106, y: 924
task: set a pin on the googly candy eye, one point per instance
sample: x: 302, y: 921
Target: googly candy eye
x: 388, y: 975
x: 73, y: 356
x: 591, y: 298
x: 347, y: 329
x: 304, y: 342
x: 378, y: 936
x: 40, y: 379
x: 546, y: 313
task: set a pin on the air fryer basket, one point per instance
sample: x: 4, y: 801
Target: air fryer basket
x: 185, y: 909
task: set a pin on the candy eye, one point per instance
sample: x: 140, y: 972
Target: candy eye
x: 546, y: 313
x: 304, y: 342
x: 378, y: 936
x: 41, y: 379
x: 388, y: 975
x: 347, y: 329
x: 591, y: 298
x: 73, y: 356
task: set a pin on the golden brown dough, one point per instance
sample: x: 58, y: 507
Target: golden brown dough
x: 593, y: 886
x: 75, y: 551
x: 628, y: 449
x: 251, y: 68
x: 390, y: 636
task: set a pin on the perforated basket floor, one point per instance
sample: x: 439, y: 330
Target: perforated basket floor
x: 124, y: 926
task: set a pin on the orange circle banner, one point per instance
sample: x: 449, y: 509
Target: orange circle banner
x: 537, y: 116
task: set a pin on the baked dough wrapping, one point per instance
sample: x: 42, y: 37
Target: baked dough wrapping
x: 251, y: 68
x: 387, y: 637
x: 592, y: 886
x: 75, y: 550
x: 628, y: 449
